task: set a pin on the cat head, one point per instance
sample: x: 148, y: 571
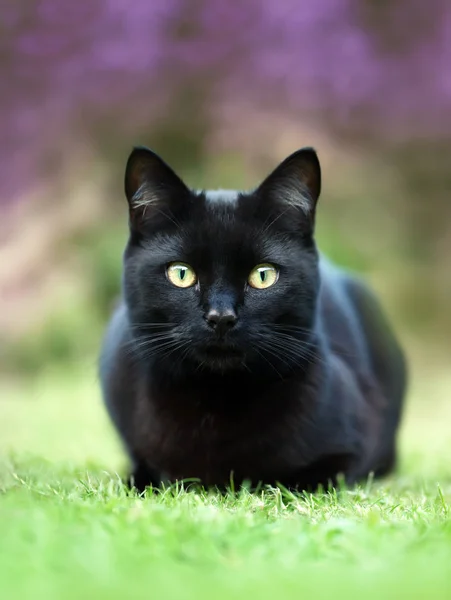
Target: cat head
x: 223, y: 280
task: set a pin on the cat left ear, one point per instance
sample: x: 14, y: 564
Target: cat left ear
x: 296, y: 182
x: 150, y: 185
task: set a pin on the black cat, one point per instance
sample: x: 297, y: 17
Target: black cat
x: 237, y: 351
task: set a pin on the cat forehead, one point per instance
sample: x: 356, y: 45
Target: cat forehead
x: 226, y: 197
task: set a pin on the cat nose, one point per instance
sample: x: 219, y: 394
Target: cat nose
x: 221, y: 321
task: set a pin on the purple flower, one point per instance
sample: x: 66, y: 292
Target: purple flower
x: 72, y: 72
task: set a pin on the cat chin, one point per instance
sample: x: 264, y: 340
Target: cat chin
x: 220, y: 361
x: 222, y: 365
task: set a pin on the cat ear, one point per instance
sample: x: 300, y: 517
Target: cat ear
x: 150, y: 185
x: 296, y: 182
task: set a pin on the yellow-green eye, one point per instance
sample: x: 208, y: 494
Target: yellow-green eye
x: 181, y: 275
x: 263, y: 276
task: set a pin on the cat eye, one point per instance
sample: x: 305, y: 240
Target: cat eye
x: 263, y: 276
x: 181, y: 275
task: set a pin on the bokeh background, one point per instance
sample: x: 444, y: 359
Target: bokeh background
x: 223, y: 91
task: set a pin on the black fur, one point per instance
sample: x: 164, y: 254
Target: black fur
x: 303, y: 380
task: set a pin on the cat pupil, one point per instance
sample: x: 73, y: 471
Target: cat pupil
x: 263, y: 275
x: 182, y: 273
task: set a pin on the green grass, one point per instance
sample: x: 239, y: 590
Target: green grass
x: 69, y: 529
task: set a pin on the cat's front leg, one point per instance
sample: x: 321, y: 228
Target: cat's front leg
x: 143, y: 477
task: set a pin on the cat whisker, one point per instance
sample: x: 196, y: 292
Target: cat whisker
x: 200, y: 367
x: 305, y: 349
x: 300, y: 351
x: 245, y: 366
x: 296, y: 345
x: 281, y: 348
x: 296, y: 329
x: 176, y: 348
x: 152, y: 325
x: 150, y: 344
x: 268, y: 361
x: 287, y: 326
x: 284, y: 357
x: 185, y: 352
x: 145, y: 340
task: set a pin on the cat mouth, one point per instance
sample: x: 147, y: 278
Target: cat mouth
x: 221, y: 349
x: 220, y: 354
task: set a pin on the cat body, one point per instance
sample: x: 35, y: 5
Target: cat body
x: 238, y: 351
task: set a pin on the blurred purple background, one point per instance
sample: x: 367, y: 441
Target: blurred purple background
x: 223, y: 91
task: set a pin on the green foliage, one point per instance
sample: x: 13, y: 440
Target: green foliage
x: 76, y: 326
x: 100, y: 250
x: 64, y: 337
x: 340, y: 248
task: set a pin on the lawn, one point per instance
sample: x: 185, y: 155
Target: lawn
x: 69, y: 529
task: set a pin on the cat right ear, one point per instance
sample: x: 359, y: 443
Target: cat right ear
x: 296, y: 183
x: 150, y: 185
